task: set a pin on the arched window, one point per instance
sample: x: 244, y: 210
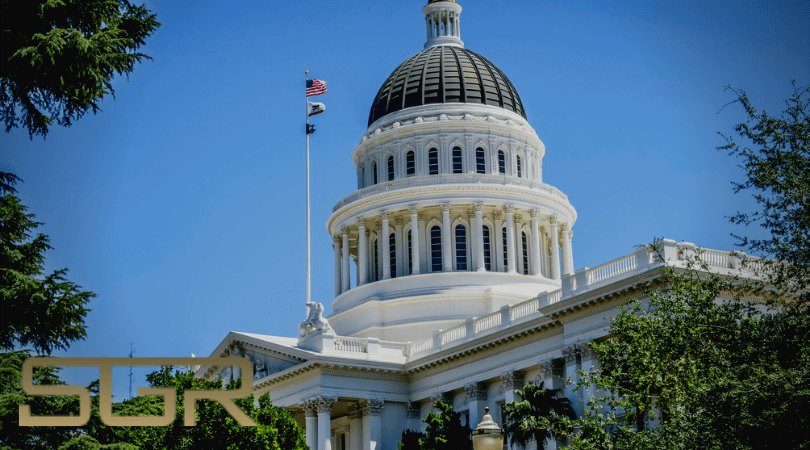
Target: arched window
x: 519, y: 169
x: 487, y: 250
x: 505, y: 252
x: 457, y: 168
x: 461, y: 247
x: 390, y: 168
x: 392, y: 254
x: 410, y: 254
x: 436, y: 249
x: 525, y: 253
x: 480, y: 161
x: 375, y: 262
x: 433, y: 161
x: 501, y: 162
x: 373, y: 172
x: 410, y: 164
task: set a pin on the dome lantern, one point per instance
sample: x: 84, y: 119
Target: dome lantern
x: 442, y: 23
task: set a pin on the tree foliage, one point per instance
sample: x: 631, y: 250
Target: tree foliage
x: 276, y: 430
x: 44, y: 311
x: 59, y: 57
x: 535, y: 414
x: 776, y: 161
x: 443, y: 431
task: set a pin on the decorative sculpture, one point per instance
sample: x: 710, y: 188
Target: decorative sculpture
x: 314, y: 321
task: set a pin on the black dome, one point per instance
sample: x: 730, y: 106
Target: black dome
x: 445, y: 74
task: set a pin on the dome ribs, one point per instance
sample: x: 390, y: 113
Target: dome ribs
x: 445, y: 74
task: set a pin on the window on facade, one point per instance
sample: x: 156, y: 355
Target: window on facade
x: 410, y: 163
x: 433, y: 161
x: 392, y: 254
x: 457, y: 160
x: 375, y: 262
x: 480, y: 161
x: 501, y: 162
x: 487, y: 250
x: 436, y: 249
x: 525, y: 253
x: 373, y: 173
x: 519, y: 169
x: 505, y: 253
x: 410, y: 254
x: 461, y: 247
x: 390, y: 168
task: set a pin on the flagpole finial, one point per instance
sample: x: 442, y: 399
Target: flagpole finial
x: 306, y: 72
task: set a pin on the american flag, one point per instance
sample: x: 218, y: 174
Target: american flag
x: 315, y: 87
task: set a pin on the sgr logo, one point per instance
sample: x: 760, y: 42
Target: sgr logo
x: 105, y: 366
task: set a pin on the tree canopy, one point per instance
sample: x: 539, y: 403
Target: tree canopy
x: 533, y: 415
x: 45, y: 311
x: 59, y: 57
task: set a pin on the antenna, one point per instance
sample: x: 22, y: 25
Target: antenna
x: 131, y: 352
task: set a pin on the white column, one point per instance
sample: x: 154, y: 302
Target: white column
x: 447, y: 255
x: 372, y: 425
x: 338, y: 277
x: 355, y: 427
x: 510, y: 240
x: 536, y: 267
x: 401, y: 249
x: 414, y: 240
x: 362, y: 253
x: 479, y: 237
x: 344, y: 268
x: 543, y: 253
x: 569, y: 257
x: 386, y: 257
x: 555, y: 250
x: 325, y: 422
x: 497, y: 246
x: 518, y: 244
x: 476, y: 401
x: 310, y: 412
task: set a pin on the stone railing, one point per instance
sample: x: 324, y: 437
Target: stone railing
x: 460, y: 178
x: 578, y: 283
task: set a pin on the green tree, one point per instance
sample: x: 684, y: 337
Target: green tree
x: 443, y: 429
x: 44, y: 311
x: 776, y: 159
x: 535, y: 414
x: 410, y: 440
x: 59, y: 57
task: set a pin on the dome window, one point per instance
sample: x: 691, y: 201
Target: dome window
x: 373, y: 172
x: 436, y: 249
x: 410, y: 254
x: 505, y: 253
x: 390, y: 168
x: 457, y: 167
x: 525, y: 254
x: 410, y: 163
x: 519, y: 169
x: 392, y: 253
x: 433, y: 161
x: 480, y: 161
x: 487, y: 250
x: 501, y: 162
x: 461, y: 247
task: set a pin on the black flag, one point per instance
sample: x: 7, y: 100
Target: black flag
x: 310, y: 129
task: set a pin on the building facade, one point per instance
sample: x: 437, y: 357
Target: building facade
x: 454, y: 273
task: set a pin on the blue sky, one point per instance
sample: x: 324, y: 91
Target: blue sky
x: 181, y: 203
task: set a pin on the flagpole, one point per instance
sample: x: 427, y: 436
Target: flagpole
x: 309, y: 270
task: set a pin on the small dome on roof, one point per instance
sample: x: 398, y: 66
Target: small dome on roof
x: 445, y: 74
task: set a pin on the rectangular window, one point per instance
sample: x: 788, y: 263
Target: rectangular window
x: 525, y: 255
x: 392, y: 254
x: 480, y: 161
x: 457, y: 160
x: 436, y: 249
x: 410, y: 164
x: 505, y: 255
x: 487, y: 250
x: 390, y: 168
x: 461, y: 248
x: 410, y: 254
x: 433, y: 161
x: 519, y: 169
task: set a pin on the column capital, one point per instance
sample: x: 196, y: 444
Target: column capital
x: 344, y: 230
x: 324, y: 404
x: 552, y: 219
x: 570, y: 352
x: 445, y: 207
x: 509, y: 208
x: 361, y: 222
x: 413, y: 209
x: 373, y: 407
x: 310, y: 407
x: 511, y: 380
x: 384, y: 214
x: 413, y: 410
x: 475, y: 391
x: 546, y: 366
x: 478, y: 206
x: 497, y: 214
x: 355, y: 411
x: 337, y: 239
x: 534, y: 213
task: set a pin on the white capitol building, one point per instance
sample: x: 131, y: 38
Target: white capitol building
x: 463, y: 279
